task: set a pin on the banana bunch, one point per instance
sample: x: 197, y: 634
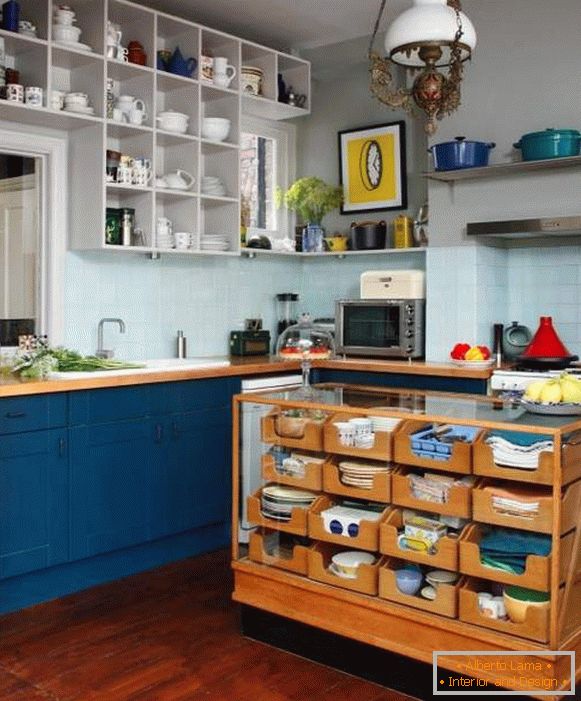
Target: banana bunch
x: 565, y: 388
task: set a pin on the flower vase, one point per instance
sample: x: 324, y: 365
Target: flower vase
x: 313, y: 235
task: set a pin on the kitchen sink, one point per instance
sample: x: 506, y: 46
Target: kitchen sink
x: 150, y: 366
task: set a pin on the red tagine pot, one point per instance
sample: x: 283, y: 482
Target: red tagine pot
x: 546, y: 349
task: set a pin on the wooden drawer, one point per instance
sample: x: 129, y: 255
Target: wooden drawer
x: 380, y: 491
x: 445, y: 603
x: 459, y: 497
x: 445, y: 557
x: 319, y: 559
x: 311, y: 437
x: 484, y: 512
x: 484, y: 465
x: 460, y: 460
x: 537, y: 570
x: 367, y: 538
x: 380, y: 450
x: 312, y: 481
x: 258, y: 553
x: 534, y: 627
x: 297, y: 524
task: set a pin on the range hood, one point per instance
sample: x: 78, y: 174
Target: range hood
x: 527, y: 228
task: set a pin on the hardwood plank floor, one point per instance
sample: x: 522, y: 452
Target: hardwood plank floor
x: 169, y: 634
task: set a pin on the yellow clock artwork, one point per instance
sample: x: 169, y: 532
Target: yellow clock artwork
x: 373, y: 168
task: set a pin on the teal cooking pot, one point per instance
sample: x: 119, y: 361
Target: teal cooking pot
x: 551, y: 143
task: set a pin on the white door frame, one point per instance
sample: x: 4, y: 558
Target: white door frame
x: 53, y: 207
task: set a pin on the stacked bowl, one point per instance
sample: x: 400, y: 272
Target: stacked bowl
x: 216, y: 128
x: 213, y: 186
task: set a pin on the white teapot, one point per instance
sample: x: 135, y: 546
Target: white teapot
x: 180, y: 180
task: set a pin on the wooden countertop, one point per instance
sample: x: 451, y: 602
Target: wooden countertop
x: 258, y: 365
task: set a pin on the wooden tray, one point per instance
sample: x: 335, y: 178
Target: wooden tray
x: 311, y: 439
x: 312, y: 481
x: 460, y: 461
x: 298, y: 523
x: 445, y: 558
x: 445, y: 603
x: 483, y: 511
x: 367, y: 539
x: 381, y: 449
x: 537, y: 574
x: 380, y: 491
x: 319, y: 559
x: 534, y: 627
x: 484, y: 465
x: 258, y: 553
x: 459, y: 498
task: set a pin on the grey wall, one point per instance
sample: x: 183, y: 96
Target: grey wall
x: 342, y: 102
x: 524, y: 77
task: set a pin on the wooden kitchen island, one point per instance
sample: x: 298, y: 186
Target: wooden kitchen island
x: 296, y: 583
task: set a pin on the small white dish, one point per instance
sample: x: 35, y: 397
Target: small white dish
x: 473, y: 363
x: 428, y: 593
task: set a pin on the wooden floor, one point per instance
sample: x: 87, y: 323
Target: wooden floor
x: 170, y: 634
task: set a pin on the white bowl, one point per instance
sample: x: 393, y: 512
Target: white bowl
x: 216, y: 129
x: 62, y: 32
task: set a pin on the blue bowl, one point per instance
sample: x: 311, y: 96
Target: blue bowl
x: 408, y: 581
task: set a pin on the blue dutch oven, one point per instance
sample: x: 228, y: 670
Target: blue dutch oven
x: 551, y: 143
x: 452, y: 155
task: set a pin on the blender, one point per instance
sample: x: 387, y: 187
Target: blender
x: 286, y: 308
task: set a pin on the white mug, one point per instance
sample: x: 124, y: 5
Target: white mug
x: 57, y: 99
x: 164, y: 226
x: 223, y: 80
x: 34, y: 96
x: 125, y: 175
x: 222, y: 67
x: 137, y: 116
x: 142, y: 176
x: 122, y: 54
x: 183, y: 240
x: 15, y: 92
x: 118, y: 114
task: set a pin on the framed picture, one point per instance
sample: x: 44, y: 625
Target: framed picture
x: 373, y: 168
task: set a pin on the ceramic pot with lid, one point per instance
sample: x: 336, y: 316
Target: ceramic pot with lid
x: 551, y: 143
x: 515, y: 339
x: 460, y: 153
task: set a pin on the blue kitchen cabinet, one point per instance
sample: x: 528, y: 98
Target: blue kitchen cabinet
x: 434, y: 383
x: 34, y: 484
x: 193, y: 470
x: 111, y: 486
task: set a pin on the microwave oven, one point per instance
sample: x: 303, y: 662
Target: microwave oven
x: 384, y: 328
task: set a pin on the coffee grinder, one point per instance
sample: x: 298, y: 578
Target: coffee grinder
x: 286, y: 311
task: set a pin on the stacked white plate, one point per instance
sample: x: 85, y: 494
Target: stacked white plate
x: 214, y: 242
x: 213, y: 186
x: 383, y: 423
x: 79, y: 109
x: 278, y: 502
x: 360, y: 474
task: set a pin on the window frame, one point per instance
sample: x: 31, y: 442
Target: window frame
x: 284, y: 134
x: 51, y: 153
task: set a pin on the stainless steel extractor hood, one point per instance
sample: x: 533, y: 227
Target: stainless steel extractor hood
x: 527, y: 228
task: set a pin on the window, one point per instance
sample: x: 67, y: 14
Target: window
x: 267, y: 162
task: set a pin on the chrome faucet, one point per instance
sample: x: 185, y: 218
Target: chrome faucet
x: 101, y: 352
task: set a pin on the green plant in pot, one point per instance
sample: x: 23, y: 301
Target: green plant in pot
x: 312, y: 198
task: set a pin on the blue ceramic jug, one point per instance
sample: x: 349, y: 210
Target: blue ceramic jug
x: 181, y: 66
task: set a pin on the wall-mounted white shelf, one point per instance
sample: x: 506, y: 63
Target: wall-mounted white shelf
x: 258, y: 252
x: 46, y: 63
x: 503, y: 169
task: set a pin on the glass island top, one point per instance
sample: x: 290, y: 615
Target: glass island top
x: 418, y: 404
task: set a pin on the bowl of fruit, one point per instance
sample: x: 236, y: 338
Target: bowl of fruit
x: 466, y: 355
x: 560, y: 396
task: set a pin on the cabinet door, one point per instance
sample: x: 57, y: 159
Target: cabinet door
x: 111, y: 486
x: 33, y: 501
x: 195, y: 469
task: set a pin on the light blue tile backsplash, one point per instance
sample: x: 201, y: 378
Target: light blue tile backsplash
x: 469, y: 288
x: 206, y: 297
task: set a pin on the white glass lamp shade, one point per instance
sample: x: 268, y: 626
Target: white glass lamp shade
x: 427, y: 22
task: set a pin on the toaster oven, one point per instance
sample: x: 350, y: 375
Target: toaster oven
x: 384, y: 328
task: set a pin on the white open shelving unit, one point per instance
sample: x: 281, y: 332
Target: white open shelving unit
x: 45, y: 63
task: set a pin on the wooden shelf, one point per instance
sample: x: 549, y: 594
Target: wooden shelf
x: 504, y: 169
x: 252, y: 252
x: 258, y: 106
